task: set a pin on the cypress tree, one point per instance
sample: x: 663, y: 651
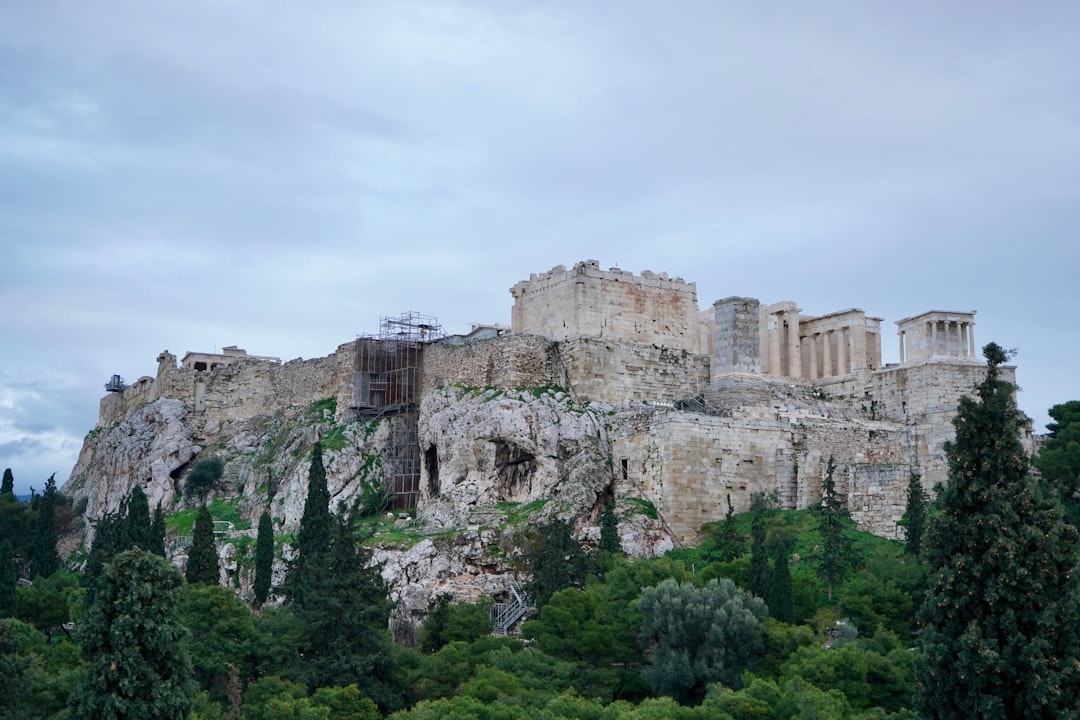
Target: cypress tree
x: 999, y: 625
x: 45, y: 560
x: 264, y: 557
x: 316, y: 528
x: 8, y: 486
x: 8, y: 578
x: 781, y: 599
x: 132, y: 641
x: 137, y: 529
x: 915, y: 514
x: 106, y: 545
x: 759, y: 558
x: 157, y: 531
x: 609, y: 530
x: 730, y: 543
x: 837, y: 557
x: 202, y: 563
x: 556, y: 560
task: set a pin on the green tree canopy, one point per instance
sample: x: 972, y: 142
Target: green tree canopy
x: 914, y: 514
x: 264, y: 557
x: 781, y: 597
x: 759, y: 554
x: 45, y: 561
x: 137, y: 527
x: 131, y: 637
x: 609, y: 530
x: 202, y: 562
x: 316, y: 530
x: 1059, y: 458
x: 8, y: 578
x: 556, y: 561
x: 698, y: 636
x: 999, y: 625
x: 837, y: 557
x: 8, y: 485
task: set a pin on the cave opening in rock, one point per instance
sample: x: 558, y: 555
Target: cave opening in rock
x: 431, y: 464
x: 514, y: 468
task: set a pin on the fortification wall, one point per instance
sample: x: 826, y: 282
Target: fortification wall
x: 611, y: 305
x: 687, y: 464
x: 619, y: 372
x: 506, y: 361
x: 241, y: 390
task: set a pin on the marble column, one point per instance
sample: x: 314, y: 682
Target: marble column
x: 827, y: 352
x: 794, y: 353
x: 774, y: 345
x: 813, y: 357
x: 903, y: 338
x: 842, y: 352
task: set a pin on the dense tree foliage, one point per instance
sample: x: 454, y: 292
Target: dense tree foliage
x: 202, y: 561
x: 264, y: 557
x: 556, y: 561
x: 999, y: 627
x: 609, y: 530
x: 781, y: 598
x: 133, y: 644
x: 915, y: 514
x: 697, y: 636
x: 728, y: 542
x: 316, y: 530
x: 157, y: 532
x: 7, y: 487
x: 8, y: 577
x: 203, y: 476
x: 837, y: 557
x: 759, y: 553
x: 45, y: 561
x: 137, y: 527
x: 451, y: 622
x: 1059, y: 458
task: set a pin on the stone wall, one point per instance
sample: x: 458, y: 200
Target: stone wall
x: 506, y: 361
x: 688, y: 463
x: 623, y: 372
x: 243, y: 389
x: 615, y: 305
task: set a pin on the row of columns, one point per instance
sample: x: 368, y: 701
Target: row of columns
x: 843, y: 364
x: 785, y: 328
x: 939, y: 333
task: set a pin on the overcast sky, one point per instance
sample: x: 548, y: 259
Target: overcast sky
x: 280, y: 175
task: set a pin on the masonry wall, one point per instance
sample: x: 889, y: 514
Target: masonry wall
x: 687, y: 464
x: 240, y: 390
x: 618, y: 372
x: 615, y: 305
x: 508, y: 361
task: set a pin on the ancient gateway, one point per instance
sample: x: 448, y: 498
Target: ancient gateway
x: 687, y: 406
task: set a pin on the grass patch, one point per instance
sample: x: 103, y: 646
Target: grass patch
x: 645, y: 507
x: 334, y: 439
x: 183, y: 521
x: 516, y: 513
x: 323, y: 410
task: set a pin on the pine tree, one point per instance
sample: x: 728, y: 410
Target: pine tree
x: 915, y: 514
x: 132, y: 640
x: 609, y: 530
x: 45, y: 560
x: 837, y: 557
x: 316, y: 528
x: 202, y: 562
x: 781, y: 599
x: 8, y: 578
x: 264, y: 557
x: 999, y: 626
x: 8, y: 486
x: 759, y: 558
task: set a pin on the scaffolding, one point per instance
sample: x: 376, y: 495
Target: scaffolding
x: 387, y: 382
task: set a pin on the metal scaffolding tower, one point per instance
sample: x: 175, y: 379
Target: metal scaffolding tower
x: 386, y: 384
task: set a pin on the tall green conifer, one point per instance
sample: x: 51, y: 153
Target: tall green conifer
x: 202, y: 563
x: 999, y: 626
x: 8, y: 486
x: 759, y: 557
x: 264, y: 557
x: 914, y: 514
x: 8, y: 578
x: 837, y: 557
x: 45, y: 560
x: 316, y: 529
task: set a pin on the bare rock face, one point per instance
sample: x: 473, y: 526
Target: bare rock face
x: 495, y: 465
x: 484, y: 447
x: 149, y: 448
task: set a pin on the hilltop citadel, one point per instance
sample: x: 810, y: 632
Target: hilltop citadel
x: 683, y: 406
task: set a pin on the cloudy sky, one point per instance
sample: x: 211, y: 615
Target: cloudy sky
x: 280, y: 175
